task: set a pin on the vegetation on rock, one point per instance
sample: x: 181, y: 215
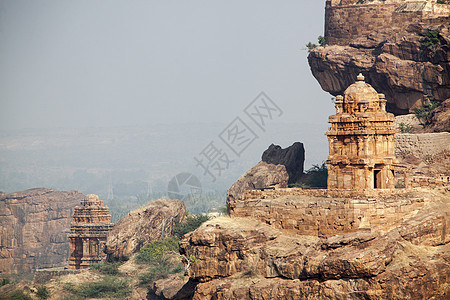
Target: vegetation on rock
x: 156, y: 252
x: 423, y: 113
x: 109, y: 286
x: 107, y: 268
x: 315, y: 177
x: 43, y: 292
x: 405, y: 128
x: 16, y: 295
x: 191, y: 223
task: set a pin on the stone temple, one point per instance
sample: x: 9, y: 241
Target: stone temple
x: 88, y: 232
x: 361, y: 140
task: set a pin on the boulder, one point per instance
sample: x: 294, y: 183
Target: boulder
x: 278, y: 168
x: 143, y: 225
x: 293, y: 158
x: 263, y: 175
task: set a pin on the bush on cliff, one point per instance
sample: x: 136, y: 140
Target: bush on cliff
x: 423, y: 113
x: 315, y: 177
x: 163, y: 257
x: 107, y: 268
x: 156, y: 251
x: 107, y: 287
x: 160, y: 271
x: 16, y: 295
x: 191, y: 223
x: 43, y: 292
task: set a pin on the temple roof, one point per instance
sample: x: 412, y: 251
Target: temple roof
x: 360, y: 92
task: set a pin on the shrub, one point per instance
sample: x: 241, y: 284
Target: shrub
x: 4, y: 281
x: 315, y: 177
x: 431, y: 40
x: 109, y: 286
x: 423, y: 112
x: 155, y: 252
x: 17, y: 295
x: 191, y: 223
x: 107, y: 268
x: 310, y: 46
x: 322, y: 41
x: 43, y: 292
x: 405, y: 128
x: 160, y: 271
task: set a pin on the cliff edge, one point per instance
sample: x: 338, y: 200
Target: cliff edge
x: 308, y: 247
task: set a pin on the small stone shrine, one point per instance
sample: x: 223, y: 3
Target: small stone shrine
x: 91, y: 224
x: 361, y: 140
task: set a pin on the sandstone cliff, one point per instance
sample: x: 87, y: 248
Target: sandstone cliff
x: 401, y: 47
x: 143, y: 225
x: 403, y: 257
x: 33, y: 229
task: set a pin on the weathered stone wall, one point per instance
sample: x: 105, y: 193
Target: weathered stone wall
x: 326, y: 212
x: 424, y: 144
x: 427, y: 157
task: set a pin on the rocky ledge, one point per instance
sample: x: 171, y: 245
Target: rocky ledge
x: 243, y: 258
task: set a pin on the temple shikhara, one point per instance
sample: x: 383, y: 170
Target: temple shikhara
x: 91, y: 223
x: 361, y: 140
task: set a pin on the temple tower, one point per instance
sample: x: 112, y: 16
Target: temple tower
x: 361, y: 140
x: 90, y: 226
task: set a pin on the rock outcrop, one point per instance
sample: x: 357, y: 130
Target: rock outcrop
x: 401, y: 47
x: 244, y: 258
x: 278, y: 168
x: 143, y: 225
x: 293, y: 158
x: 33, y: 229
x: 261, y: 176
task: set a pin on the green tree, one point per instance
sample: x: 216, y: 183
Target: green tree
x: 310, y: 46
x: 321, y: 40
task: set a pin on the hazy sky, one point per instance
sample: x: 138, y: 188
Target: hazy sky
x: 114, y: 63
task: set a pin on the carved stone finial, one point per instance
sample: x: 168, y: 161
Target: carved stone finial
x: 360, y: 77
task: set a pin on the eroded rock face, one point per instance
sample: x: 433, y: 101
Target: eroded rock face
x: 33, y: 229
x: 242, y: 258
x: 386, y: 42
x: 143, y: 225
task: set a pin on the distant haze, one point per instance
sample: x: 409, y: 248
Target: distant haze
x: 112, y: 63
x: 94, y: 88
